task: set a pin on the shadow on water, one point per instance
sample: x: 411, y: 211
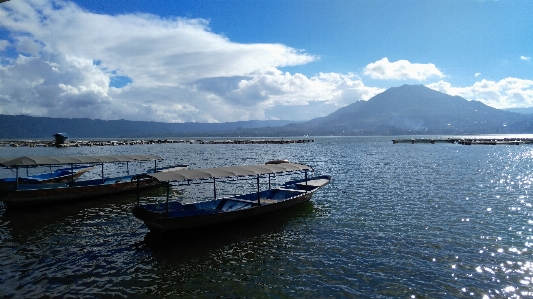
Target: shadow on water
x: 39, y: 222
x: 198, y: 242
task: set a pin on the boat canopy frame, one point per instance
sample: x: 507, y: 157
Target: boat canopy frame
x: 32, y: 161
x: 205, y: 174
x: 228, y: 171
x: 35, y: 161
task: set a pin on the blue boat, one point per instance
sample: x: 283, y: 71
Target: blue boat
x: 29, y: 195
x: 167, y: 217
x: 53, y: 176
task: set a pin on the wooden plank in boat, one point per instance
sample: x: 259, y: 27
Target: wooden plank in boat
x: 313, y: 183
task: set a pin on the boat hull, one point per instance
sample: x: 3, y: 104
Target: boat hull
x: 58, y: 176
x: 161, y: 222
x: 43, y: 196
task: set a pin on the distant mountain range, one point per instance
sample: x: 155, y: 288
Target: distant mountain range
x: 528, y: 110
x: 21, y: 126
x: 404, y: 110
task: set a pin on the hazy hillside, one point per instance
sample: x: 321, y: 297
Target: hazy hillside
x: 528, y: 110
x: 20, y: 126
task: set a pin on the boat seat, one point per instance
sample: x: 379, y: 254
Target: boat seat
x: 243, y: 200
x: 313, y: 183
x: 268, y: 201
x: 290, y: 190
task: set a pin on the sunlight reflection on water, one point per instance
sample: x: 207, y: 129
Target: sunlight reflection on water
x: 417, y: 221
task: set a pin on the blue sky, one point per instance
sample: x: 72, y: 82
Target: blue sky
x: 218, y: 61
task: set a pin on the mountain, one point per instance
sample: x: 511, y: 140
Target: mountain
x: 21, y: 126
x: 404, y: 110
x: 414, y: 109
x: 528, y: 110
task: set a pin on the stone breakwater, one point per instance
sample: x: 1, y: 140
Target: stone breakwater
x: 469, y: 141
x: 40, y: 143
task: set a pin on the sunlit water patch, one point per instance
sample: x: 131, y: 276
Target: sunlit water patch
x: 403, y: 220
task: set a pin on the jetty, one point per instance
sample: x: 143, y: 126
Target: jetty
x: 468, y: 141
x: 81, y: 143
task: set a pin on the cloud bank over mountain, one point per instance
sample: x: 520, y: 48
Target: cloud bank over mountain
x: 60, y: 60
x: 64, y: 60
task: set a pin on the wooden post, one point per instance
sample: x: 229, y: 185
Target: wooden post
x: 214, y: 188
x: 258, y: 195
x: 168, y: 194
x: 103, y: 180
x: 306, y: 188
x: 138, y: 192
x: 17, y: 178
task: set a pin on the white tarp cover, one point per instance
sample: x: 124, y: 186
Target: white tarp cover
x: 28, y: 161
x: 230, y: 171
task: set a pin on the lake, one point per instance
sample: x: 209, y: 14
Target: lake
x: 397, y: 221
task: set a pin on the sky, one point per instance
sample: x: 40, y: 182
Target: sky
x: 227, y: 60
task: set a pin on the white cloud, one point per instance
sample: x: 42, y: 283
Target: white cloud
x: 180, y: 70
x: 477, y: 75
x: 4, y: 44
x: 506, y: 93
x: 401, y: 70
x: 525, y: 58
x: 317, y: 96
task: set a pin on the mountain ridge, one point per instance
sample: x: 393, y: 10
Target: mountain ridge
x: 23, y: 126
x: 403, y: 110
x: 416, y: 109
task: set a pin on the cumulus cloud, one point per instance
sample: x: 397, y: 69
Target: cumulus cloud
x: 525, y: 58
x: 319, y: 95
x: 179, y: 69
x: 401, y: 70
x: 477, y: 75
x: 4, y: 44
x: 506, y: 93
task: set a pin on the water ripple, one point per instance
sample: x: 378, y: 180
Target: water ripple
x: 408, y: 221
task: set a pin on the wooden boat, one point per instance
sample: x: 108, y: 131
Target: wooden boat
x: 27, y: 195
x: 174, y: 216
x: 53, y: 176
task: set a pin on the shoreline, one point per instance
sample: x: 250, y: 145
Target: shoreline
x: 49, y: 143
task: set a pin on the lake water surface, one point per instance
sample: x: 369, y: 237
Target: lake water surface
x: 397, y: 221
